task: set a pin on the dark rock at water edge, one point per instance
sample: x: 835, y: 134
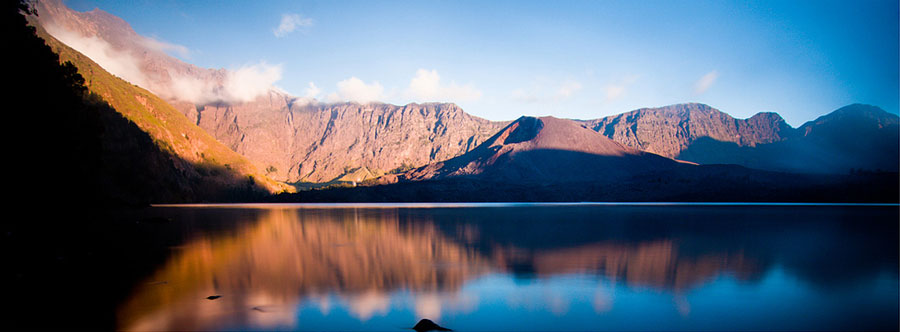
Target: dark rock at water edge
x: 427, y: 325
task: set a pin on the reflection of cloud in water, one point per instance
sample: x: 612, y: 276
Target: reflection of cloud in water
x: 603, y: 300
x: 428, y: 306
x: 432, y: 305
x: 682, y: 305
x: 368, y: 304
x: 362, y: 256
x: 557, y: 303
x: 324, y: 304
x: 286, y: 256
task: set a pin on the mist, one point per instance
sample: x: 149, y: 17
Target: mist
x: 200, y: 87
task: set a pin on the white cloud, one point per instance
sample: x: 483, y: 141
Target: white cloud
x: 521, y: 95
x: 312, y: 91
x: 568, y: 89
x: 289, y: 23
x: 239, y: 85
x: 235, y: 86
x: 119, y: 63
x: 165, y: 47
x: 192, y: 89
x: 613, y: 91
x: 705, y: 82
x: 547, y: 93
x: 426, y: 86
x: 617, y: 90
x: 354, y: 89
x: 246, y: 83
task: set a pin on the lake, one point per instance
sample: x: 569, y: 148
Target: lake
x: 520, y: 267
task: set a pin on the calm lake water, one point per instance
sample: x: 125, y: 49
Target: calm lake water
x: 522, y: 267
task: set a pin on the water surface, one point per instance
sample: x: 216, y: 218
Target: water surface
x: 523, y: 267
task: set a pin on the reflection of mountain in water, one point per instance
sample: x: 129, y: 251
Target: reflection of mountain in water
x: 359, y: 257
x: 651, y: 264
x: 270, y: 265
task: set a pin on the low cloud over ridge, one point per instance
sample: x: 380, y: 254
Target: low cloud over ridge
x: 354, y: 89
x: 426, y: 86
x: 200, y: 87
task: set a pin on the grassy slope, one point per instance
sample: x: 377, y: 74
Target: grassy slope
x: 170, y: 129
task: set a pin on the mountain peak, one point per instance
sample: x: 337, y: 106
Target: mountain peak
x: 544, y: 149
x: 860, y: 110
x: 851, y: 117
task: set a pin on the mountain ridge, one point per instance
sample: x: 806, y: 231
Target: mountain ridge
x: 302, y: 140
x: 545, y: 149
x: 669, y: 129
x: 314, y: 142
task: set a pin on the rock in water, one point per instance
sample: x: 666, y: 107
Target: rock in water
x: 213, y: 297
x: 427, y: 325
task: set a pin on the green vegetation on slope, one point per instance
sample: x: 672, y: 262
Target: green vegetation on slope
x: 210, y: 171
x: 91, y: 137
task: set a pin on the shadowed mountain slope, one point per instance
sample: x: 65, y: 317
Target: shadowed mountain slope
x: 201, y: 168
x: 857, y: 137
x: 669, y: 130
x: 544, y: 149
x: 851, y: 139
x: 548, y: 159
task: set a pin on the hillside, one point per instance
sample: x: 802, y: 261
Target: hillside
x: 548, y: 159
x: 669, y: 130
x: 289, y: 138
x: 855, y: 137
x: 206, y: 169
x: 301, y: 142
x: 545, y: 150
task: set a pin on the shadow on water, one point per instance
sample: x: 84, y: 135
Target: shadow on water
x: 378, y: 268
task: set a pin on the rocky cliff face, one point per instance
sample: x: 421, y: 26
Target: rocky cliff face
x: 855, y: 137
x: 669, y: 130
x: 311, y: 142
x: 545, y: 150
x: 292, y: 139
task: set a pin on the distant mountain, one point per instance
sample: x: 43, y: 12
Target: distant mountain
x: 545, y: 150
x: 669, y: 130
x: 859, y: 137
x: 292, y: 139
x: 345, y: 142
x: 301, y: 140
x: 549, y: 159
x: 856, y: 137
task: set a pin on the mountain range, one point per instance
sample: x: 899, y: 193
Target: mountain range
x: 536, y: 149
x: 206, y: 116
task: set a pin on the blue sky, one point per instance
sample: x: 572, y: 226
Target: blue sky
x: 503, y: 59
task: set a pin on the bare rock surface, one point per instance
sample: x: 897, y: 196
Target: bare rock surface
x: 348, y: 142
x: 545, y: 149
x: 669, y: 130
